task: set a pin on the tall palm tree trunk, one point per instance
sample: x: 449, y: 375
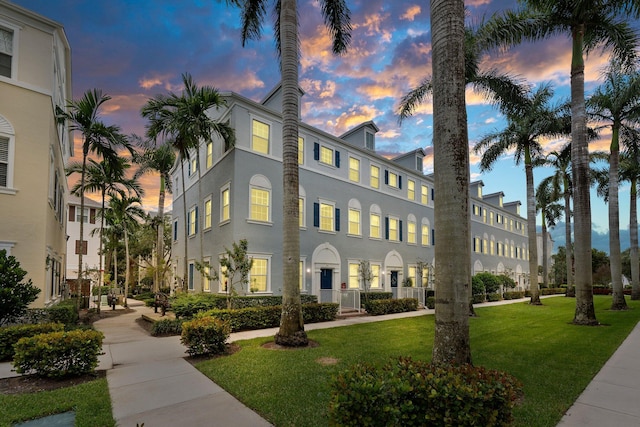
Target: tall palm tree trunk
x: 100, y: 272
x: 291, y: 332
x: 633, y: 237
x: 568, y: 258
x: 158, y: 279
x: 545, y: 263
x: 451, y: 169
x: 615, y: 258
x: 585, y: 311
x: 185, y: 264
x: 126, y: 264
x: 199, y: 228
x: 82, y: 182
x: 531, y: 230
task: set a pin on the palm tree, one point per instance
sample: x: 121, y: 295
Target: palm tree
x: 183, y: 121
x: 158, y: 160
x: 615, y: 102
x: 336, y: 17
x: 451, y: 175
x: 500, y: 88
x: 526, y: 126
x: 630, y: 171
x: 105, y: 177
x: 126, y: 211
x: 98, y: 139
x: 550, y: 212
x: 561, y: 183
x: 590, y: 24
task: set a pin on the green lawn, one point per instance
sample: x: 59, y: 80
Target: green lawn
x: 554, y: 359
x: 90, y: 401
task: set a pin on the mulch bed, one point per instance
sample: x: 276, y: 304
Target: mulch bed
x: 34, y: 383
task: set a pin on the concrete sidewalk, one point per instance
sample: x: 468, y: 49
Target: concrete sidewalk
x: 151, y: 383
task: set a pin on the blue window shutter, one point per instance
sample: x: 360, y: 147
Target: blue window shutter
x: 474, y: 244
x: 175, y: 230
x: 432, y: 191
x: 337, y: 219
x: 316, y: 214
x: 337, y: 159
x: 433, y: 237
x: 316, y: 151
x: 400, y: 182
x: 400, y: 229
x: 386, y: 227
x: 196, y: 227
x: 386, y: 177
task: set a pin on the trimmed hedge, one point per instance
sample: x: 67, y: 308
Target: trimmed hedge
x: 205, y: 335
x: 374, y: 296
x: 10, y: 335
x: 513, y: 295
x: 388, y: 306
x: 414, y: 393
x: 478, y: 299
x: 58, y: 354
x: 430, y: 302
x: 493, y: 297
x: 188, y: 305
x: 249, y: 318
x: 64, y: 312
x: 167, y: 327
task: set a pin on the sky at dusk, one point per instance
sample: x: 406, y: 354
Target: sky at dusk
x: 133, y: 50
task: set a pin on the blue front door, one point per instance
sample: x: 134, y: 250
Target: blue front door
x: 394, y: 283
x: 326, y: 285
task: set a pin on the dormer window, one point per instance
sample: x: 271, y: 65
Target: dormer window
x: 419, y: 164
x: 370, y: 143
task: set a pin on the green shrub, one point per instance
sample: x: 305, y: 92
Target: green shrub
x: 490, y: 281
x: 65, y: 312
x: 57, y: 354
x: 553, y: 291
x: 11, y: 334
x: 315, y: 312
x: 414, y: 393
x: 493, y: 297
x: 188, y: 305
x: 388, y: 306
x: 477, y: 286
x: 374, y: 296
x: 506, y: 281
x: 15, y: 294
x: 478, y: 299
x: 513, y: 295
x: 205, y: 335
x: 167, y: 327
x: 430, y: 302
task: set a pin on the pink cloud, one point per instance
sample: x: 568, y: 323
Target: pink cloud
x: 411, y: 13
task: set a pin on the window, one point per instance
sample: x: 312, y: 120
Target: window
x: 484, y: 216
x: 300, y: 150
x: 354, y: 169
x: 207, y: 213
x: 511, y: 225
x: 6, y: 159
x: 425, y: 234
x: 419, y: 164
x: 491, y: 215
x: 82, y: 217
x: 477, y: 245
x: 326, y: 217
x: 393, y: 229
x: 301, y: 212
x: 260, y: 137
x: 424, y: 194
x: 411, y: 189
x: 193, y: 221
x: 485, y: 246
x: 259, y: 205
x: 175, y: 230
x: 259, y: 275
x: 354, y: 277
x: 301, y: 275
x: 500, y: 249
x: 6, y: 52
x: 477, y: 210
x: 354, y: 222
x: 81, y: 246
x: 392, y: 179
x: 223, y: 280
x: 209, y: 154
x: 193, y: 165
x: 375, y: 276
x: 326, y: 155
x: 225, y: 204
x: 206, y: 272
x: 412, y: 273
x: 369, y: 141
x: 375, y: 177
x: 191, y: 273
x: 493, y: 246
x: 411, y: 232
x: 374, y: 223
x: 513, y: 251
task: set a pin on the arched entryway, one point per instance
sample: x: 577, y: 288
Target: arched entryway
x: 393, y: 274
x: 325, y: 266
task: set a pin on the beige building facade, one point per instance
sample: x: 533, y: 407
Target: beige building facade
x: 35, y: 78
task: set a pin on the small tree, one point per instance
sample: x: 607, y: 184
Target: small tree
x: 421, y: 267
x: 15, y: 295
x: 366, y: 275
x: 236, y: 262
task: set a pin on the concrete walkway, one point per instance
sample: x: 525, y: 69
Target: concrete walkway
x: 151, y: 383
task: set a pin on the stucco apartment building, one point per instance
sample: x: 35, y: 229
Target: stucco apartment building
x: 35, y: 78
x: 354, y: 205
x: 90, y: 246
